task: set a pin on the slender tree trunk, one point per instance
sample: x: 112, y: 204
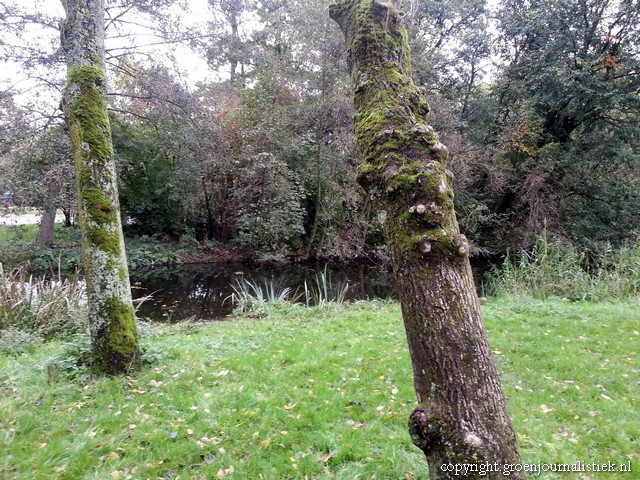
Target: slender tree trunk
x: 67, y: 217
x: 114, y: 334
x: 462, y: 416
x: 48, y: 218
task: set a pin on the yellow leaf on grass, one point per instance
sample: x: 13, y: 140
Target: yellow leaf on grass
x: 328, y: 457
x: 225, y: 471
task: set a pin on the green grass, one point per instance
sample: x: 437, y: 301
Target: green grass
x: 319, y: 394
x: 10, y: 234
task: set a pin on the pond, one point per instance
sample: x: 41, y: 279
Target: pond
x: 205, y: 291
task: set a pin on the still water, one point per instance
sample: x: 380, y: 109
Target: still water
x: 204, y: 291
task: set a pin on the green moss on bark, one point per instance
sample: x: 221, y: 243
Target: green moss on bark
x: 116, y: 346
x: 99, y: 206
x: 106, y: 240
x: 403, y: 159
x: 404, y: 168
x: 111, y: 314
x: 87, y: 107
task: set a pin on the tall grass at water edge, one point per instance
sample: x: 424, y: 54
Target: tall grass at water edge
x: 33, y: 309
x: 553, y: 269
x: 252, y: 298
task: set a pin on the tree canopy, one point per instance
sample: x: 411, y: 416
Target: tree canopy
x: 538, y: 103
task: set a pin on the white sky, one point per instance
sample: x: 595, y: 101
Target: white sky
x: 192, y: 67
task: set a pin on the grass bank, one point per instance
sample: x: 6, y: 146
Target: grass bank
x: 318, y: 393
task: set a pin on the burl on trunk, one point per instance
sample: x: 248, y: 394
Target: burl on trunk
x: 462, y: 416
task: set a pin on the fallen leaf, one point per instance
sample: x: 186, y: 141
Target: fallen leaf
x: 328, y: 457
x: 545, y: 409
x: 225, y: 471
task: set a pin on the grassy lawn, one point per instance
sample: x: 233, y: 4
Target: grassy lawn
x: 11, y: 234
x: 319, y: 393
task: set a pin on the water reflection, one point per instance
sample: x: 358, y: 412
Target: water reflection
x: 204, y: 291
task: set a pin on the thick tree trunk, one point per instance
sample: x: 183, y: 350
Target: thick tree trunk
x: 114, y: 334
x: 462, y: 417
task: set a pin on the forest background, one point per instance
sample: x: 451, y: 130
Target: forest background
x: 538, y: 103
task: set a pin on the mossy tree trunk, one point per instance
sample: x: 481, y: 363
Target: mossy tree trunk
x: 462, y: 416
x: 114, y: 334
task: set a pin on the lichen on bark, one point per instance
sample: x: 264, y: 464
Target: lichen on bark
x: 462, y: 416
x: 111, y: 314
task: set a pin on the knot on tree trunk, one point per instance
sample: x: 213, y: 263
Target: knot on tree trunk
x: 423, y: 430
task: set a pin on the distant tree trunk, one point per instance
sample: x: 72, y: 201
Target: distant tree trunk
x: 48, y: 218
x: 462, y: 416
x: 67, y: 217
x: 114, y: 334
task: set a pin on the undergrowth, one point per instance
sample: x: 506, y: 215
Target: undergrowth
x: 554, y: 269
x: 33, y: 309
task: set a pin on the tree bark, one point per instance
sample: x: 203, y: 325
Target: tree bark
x: 114, y: 334
x: 48, y: 218
x: 462, y: 417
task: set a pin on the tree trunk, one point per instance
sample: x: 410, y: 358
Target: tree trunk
x: 114, y: 334
x: 462, y: 417
x: 48, y: 218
